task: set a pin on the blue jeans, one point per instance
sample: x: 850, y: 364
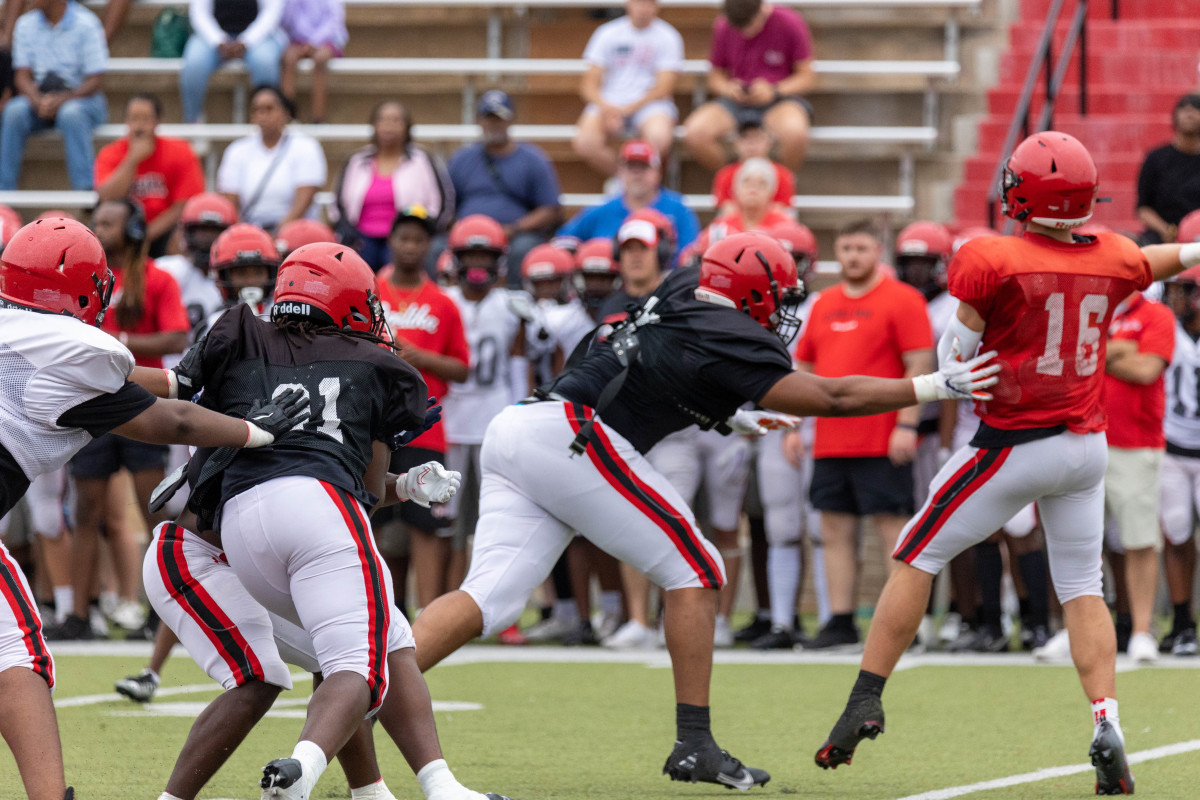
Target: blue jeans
x: 374, y: 250
x: 200, y: 59
x: 75, y: 121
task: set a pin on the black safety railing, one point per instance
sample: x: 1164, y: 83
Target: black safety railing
x: 1053, y: 78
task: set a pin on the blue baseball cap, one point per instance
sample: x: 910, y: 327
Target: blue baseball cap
x: 496, y: 103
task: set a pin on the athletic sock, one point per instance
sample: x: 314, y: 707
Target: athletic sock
x: 64, y: 601
x: 565, y: 610
x: 692, y: 722
x: 783, y: 582
x: 868, y: 685
x: 1105, y: 708
x: 167, y: 796
x: 375, y: 791
x: 991, y: 573
x: 1183, y: 617
x: 312, y: 761
x: 439, y: 783
x: 1036, y: 575
x: 610, y: 602
x: 844, y: 622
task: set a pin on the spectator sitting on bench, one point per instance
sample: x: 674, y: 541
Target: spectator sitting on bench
x: 224, y: 30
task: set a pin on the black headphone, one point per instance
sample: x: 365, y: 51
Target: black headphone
x: 135, y: 223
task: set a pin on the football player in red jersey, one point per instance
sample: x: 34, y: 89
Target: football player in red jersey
x: 1043, y: 301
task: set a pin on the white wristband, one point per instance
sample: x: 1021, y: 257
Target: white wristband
x: 1189, y: 254
x: 256, y: 436
x: 925, y: 387
x: 172, y: 385
x: 400, y: 493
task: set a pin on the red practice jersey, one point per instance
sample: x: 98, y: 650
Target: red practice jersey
x: 1047, y: 305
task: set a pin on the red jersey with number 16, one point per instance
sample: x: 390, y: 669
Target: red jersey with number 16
x: 1047, y: 305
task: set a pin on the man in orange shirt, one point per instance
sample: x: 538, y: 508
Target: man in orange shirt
x: 869, y: 324
x: 1043, y: 301
x: 158, y: 172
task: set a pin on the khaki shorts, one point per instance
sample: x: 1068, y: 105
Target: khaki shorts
x: 1132, y: 496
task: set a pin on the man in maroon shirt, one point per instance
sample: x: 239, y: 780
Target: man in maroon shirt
x: 761, y: 60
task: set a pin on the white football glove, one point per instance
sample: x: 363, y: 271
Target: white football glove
x: 757, y: 423
x: 428, y: 483
x: 958, y: 380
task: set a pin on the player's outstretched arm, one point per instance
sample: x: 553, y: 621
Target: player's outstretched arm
x: 1168, y: 260
x: 181, y: 422
x: 807, y: 395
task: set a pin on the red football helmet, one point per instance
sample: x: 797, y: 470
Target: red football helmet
x: 972, y: 232
x: 754, y: 273
x: 1050, y: 179
x: 1189, y: 229
x: 545, y: 262
x: 478, y: 233
x: 690, y: 256
x: 299, y: 232
x: 243, y: 245
x: 331, y: 285
x: 10, y: 223
x: 208, y: 209
x: 595, y: 256
x: 446, y: 276
x: 800, y: 242
x: 57, y: 265
x: 923, y: 249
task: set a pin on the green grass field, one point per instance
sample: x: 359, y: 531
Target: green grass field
x: 559, y: 731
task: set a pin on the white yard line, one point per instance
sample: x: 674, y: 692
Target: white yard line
x: 1053, y: 772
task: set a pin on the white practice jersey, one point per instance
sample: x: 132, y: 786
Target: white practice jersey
x: 1182, y: 422
x: 568, y: 324
x: 49, y: 364
x: 491, y: 327
x: 941, y: 310
x: 199, y: 293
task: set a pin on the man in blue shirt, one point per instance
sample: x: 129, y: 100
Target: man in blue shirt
x: 641, y: 176
x: 514, y: 183
x: 60, y: 56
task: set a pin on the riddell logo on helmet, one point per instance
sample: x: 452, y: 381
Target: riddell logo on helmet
x: 300, y: 309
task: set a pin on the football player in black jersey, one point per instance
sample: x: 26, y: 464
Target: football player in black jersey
x: 571, y: 459
x: 64, y: 383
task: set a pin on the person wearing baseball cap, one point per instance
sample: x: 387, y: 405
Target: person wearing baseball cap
x: 512, y: 182
x: 640, y: 174
x: 1169, y: 182
x: 633, y: 64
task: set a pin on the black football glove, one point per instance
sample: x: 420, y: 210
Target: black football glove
x: 279, y: 415
x: 433, y: 413
x: 190, y: 372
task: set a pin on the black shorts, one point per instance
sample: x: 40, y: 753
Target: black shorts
x: 101, y: 458
x: 753, y: 115
x: 412, y: 514
x: 862, y: 486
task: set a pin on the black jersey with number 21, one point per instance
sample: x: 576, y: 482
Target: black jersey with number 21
x: 360, y: 392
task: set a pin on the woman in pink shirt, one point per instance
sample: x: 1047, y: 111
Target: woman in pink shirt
x: 389, y: 174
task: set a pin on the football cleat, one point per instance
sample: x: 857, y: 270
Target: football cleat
x: 70, y: 795
x: 281, y: 779
x: 705, y: 762
x: 1108, y: 757
x: 1184, y: 643
x: 758, y: 627
x: 862, y: 721
x: 139, y: 688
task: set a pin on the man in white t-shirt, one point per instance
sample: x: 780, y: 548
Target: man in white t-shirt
x: 633, y: 62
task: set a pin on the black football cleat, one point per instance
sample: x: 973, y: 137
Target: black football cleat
x: 705, y: 762
x: 70, y: 795
x: 862, y: 721
x: 1108, y: 757
x: 279, y: 776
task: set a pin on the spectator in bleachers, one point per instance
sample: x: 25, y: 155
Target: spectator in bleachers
x: 316, y: 29
x: 753, y: 206
x: 633, y: 63
x: 160, y: 173
x: 390, y: 174
x: 641, y: 180
x: 761, y: 60
x: 752, y: 141
x: 1169, y: 181
x: 223, y: 30
x: 868, y: 324
x: 60, y: 58
x: 514, y: 183
x: 272, y: 176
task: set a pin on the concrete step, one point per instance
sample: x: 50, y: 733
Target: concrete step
x: 1101, y: 134
x: 1104, y: 99
x: 1124, y: 67
x: 1130, y: 11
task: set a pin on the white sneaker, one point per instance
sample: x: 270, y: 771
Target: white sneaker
x: 633, y: 635
x: 1057, y: 649
x: 1143, y: 648
x: 722, y: 633
x: 549, y: 629
x: 606, y: 625
x: 129, y: 615
x: 97, y: 622
x: 950, y: 627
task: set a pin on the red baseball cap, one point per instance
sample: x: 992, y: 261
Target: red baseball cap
x: 639, y: 151
x: 638, y: 230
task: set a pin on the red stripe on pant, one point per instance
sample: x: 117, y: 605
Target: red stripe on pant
x: 22, y: 606
x: 352, y: 515
x: 173, y: 550
x: 703, y: 570
x: 945, y: 512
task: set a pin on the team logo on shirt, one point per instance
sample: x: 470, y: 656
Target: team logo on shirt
x: 414, y: 317
x: 773, y: 57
